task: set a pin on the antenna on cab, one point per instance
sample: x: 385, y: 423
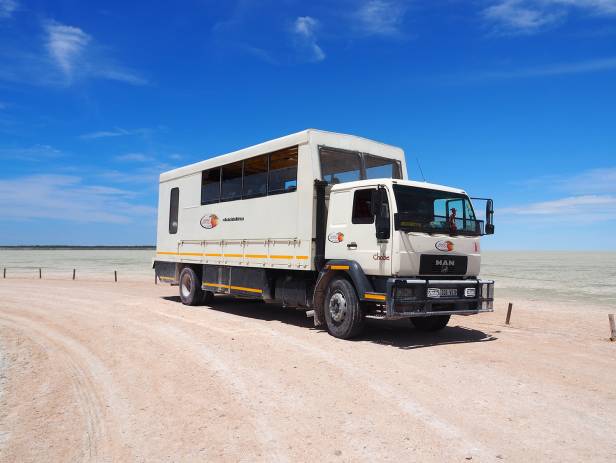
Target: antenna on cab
x: 420, y: 169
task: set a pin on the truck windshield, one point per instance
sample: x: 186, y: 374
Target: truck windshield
x: 434, y: 211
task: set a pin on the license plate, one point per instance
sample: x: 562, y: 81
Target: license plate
x: 442, y: 292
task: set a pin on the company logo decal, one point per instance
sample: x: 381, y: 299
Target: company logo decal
x: 442, y: 245
x: 380, y: 257
x: 336, y: 237
x: 445, y: 264
x: 209, y: 221
x: 233, y: 219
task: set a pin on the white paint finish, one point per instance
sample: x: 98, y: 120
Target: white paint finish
x: 277, y: 231
x: 373, y: 257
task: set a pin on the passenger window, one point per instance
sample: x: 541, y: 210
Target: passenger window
x: 174, y: 205
x: 210, y: 186
x: 377, y: 167
x: 255, y: 177
x: 231, y: 182
x: 362, y: 206
x: 283, y: 171
x: 339, y: 166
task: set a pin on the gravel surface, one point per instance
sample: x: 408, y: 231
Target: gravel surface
x: 97, y: 371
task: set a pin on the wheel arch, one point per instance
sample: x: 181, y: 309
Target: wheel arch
x: 351, y: 270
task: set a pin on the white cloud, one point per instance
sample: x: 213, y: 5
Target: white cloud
x: 591, y: 197
x: 7, y: 8
x: 38, y: 152
x: 304, y: 29
x: 557, y: 69
x: 66, y: 45
x: 379, y: 17
x: 575, y: 210
x: 116, y: 132
x: 66, y: 198
x: 70, y: 49
x: 602, y: 180
x: 67, y: 55
x: 531, y: 16
x: 134, y: 157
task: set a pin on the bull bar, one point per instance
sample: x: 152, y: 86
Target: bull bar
x: 428, y: 297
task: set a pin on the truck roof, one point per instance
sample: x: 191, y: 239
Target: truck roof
x: 389, y: 182
x: 339, y: 140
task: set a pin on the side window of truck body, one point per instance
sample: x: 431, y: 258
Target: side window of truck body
x: 174, y: 207
x: 231, y: 186
x: 283, y: 171
x: 210, y: 186
x: 255, y: 177
x: 339, y: 166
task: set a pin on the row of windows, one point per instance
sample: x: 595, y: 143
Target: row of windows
x: 338, y: 166
x: 263, y: 175
x: 276, y: 172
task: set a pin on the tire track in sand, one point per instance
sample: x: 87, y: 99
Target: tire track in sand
x: 263, y: 431
x: 451, y: 434
x: 92, y: 384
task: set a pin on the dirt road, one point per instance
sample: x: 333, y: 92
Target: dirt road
x: 124, y: 372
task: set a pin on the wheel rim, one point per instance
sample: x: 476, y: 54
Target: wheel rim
x: 337, y: 307
x: 186, y: 285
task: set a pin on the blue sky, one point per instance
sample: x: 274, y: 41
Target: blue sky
x: 511, y: 99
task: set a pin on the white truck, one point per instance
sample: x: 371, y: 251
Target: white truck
x: 327, y: 223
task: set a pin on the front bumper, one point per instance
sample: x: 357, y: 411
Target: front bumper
x: 425, y: 298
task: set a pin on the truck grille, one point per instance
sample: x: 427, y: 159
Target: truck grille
x: 430, y: 264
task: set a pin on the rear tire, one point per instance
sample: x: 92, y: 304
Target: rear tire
x: 190, y: 287
x: 428, y: 324
x: 344, y: 316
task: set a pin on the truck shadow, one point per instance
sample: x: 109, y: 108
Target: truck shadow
x: 395, y: 333
x: 401, y: 334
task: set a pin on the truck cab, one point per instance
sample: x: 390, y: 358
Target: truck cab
x: 417, y: 243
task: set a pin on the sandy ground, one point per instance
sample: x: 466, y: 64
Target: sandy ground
x: 123, y: 372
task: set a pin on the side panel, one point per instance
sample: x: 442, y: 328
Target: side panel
x: 268, y: 232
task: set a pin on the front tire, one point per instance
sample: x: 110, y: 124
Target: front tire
x: 344, y: 316
x: 429, y: 324
x: 190, y: 287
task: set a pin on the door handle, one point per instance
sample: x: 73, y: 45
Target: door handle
x: 352, y: 245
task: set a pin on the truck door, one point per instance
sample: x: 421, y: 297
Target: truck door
x: 351, y: 232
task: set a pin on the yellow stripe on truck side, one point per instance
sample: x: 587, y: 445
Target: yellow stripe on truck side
x: 237, y: 288
x: 247, y: 256
x: 375, y: 297
x: 339, y: 267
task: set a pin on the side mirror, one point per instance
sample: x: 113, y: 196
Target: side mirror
x: 380, y: 207
x: 489, y: 217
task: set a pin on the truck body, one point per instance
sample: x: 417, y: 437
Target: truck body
x: 325, y: 222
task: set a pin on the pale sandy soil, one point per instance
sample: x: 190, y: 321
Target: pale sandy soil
x: 97, y: 371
